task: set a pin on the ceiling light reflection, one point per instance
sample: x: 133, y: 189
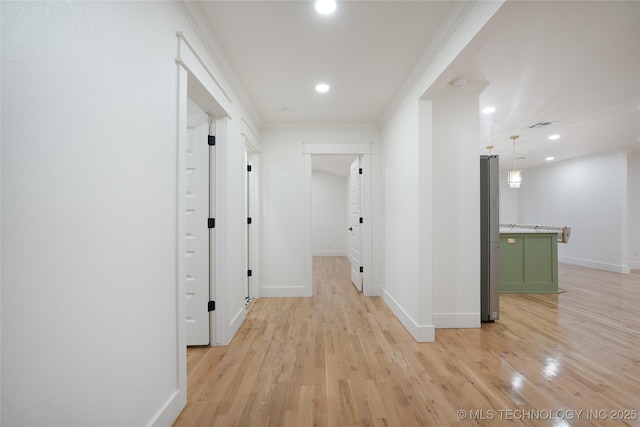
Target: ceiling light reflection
x: 516, y: 381
x: 551, y: 368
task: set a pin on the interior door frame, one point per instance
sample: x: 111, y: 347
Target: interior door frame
x: 252, y: 148
x: 358, y: 283
x: 195, y: 80
x: 363, y: 150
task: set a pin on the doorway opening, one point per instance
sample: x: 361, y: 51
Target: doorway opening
x: 336, y: 208
x: 252, y: 150
x: 328, y: 156
x: 195, y: 82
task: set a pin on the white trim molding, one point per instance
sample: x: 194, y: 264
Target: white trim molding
x: 336, y: 147
x: 251, y: 140
x: 308, y: 232
x: 286, y: 291
x: 330, y: 253
x: 178, y: 399
x: 194, y: 80
x: 222, y: 69
x: 598, y: 265
x: 204, y: 79
x: 421, y: 333
x: 456, y: 320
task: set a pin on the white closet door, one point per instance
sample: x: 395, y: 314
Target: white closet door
x: 197, y: 233
x: 354, y: 247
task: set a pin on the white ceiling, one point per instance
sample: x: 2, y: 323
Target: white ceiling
x: 281, y: 49
x: 575, y: 64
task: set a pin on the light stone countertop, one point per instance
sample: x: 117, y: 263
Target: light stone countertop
x: 513, y: 230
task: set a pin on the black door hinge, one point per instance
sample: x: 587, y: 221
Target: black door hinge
x: 211, y: 223
x: 248, y: 168
x: 361, y: 220
x: 211, y: 306
x: 361, y: 269
x: 360, y: 171
x: 249, y: 220
x: 249, y: 273
x: 212, y: 140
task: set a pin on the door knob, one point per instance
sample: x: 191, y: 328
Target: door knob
x: 350, y: 228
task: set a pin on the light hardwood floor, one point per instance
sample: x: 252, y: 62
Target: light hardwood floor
x: 341, y: 359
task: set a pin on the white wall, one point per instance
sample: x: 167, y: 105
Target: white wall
x: 509, y: 210
x: 588, y: 194
x: 401, y: 191
x: 410, y: 191
x: 283, y: 198
x: 456, y: 209
x: 89, y: 167
x: 508, y: 201
x: 329, y: 212
x: 633, y: 182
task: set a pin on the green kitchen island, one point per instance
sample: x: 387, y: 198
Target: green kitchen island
x: 528, y: 261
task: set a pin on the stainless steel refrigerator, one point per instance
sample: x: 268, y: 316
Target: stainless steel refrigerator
x: 489, y: 239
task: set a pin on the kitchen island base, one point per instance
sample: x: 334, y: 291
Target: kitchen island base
x: 528, y: 262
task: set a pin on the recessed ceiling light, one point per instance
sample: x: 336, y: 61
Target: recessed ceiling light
x: 326, y: 7
x: 554, y: 136
x: 488, y: 110
x: 322, y: 87
x: 548, y: 159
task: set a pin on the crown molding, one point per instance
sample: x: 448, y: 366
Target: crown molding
x: 229, y: 76
x: 455, y: 16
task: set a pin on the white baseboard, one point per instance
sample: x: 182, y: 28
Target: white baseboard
x: 227, y: 335
x: 421, y: 333
x: 329, y: 253
x: 236, y: 322
x: 456, y: 320
x: 170, y: 410
x: 616, y: 268
x: 285, y: 291
x: 634, y: 265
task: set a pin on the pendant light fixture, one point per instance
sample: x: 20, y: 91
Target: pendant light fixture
x: 515, y: 176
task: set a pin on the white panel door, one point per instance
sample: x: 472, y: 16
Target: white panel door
x: 354, y: 247
x: 197, y: 232
x: 249, y: 215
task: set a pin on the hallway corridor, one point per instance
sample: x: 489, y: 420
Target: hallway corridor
x: 341, y: 359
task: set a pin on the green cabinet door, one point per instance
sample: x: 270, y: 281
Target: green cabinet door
x: 528, y: 263
x: 511, y: 262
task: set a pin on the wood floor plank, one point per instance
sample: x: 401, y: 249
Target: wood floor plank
x: 342, y: 359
